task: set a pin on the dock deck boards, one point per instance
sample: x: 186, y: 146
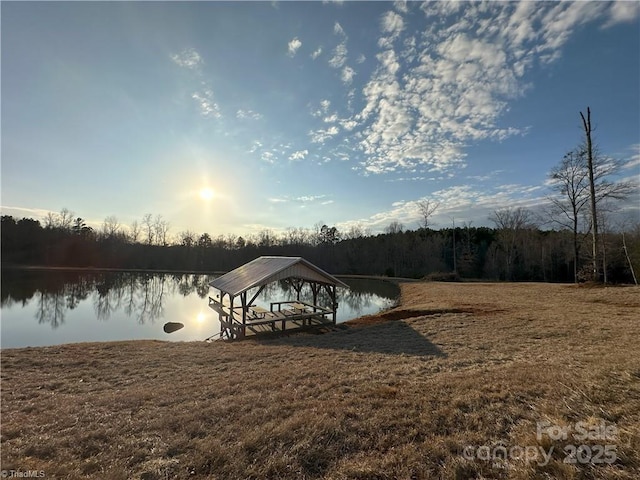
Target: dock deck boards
x: 259, y: 320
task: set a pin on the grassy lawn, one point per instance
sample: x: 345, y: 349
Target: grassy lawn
x: 460, y: 381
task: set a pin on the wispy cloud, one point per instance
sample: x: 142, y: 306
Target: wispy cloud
x: 248, y: 114
x: 268, y: 157
x: 316, y: 53
x: 303, y: 199
x: 188, y: 58
x: 298, y: 155
x: 392, y: 24
x: 622, y: 12
x: 203, y: 95
x: 634, y: 159
x: 347, y: 75
x: 438, y: 90
x: 207, y: 106
x: 293, y: 46
x: 339, y: 55
x: 20, y: 212
x: 462, y: 202
x: 322, y: 135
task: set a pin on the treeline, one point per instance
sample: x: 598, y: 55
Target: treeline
x: 513, y: 251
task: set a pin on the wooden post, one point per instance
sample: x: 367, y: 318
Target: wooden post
x: 243, y: 301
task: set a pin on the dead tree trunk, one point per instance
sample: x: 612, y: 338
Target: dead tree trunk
x: 592, y: 189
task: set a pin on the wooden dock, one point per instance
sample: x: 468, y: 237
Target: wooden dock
x: 247, y: 318
x: 283, y: 316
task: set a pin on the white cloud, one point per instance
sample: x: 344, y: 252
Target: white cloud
x: 188, y: 58
x: 347, y: 75
x: 392, y: 23
x: 206, y: 104
x: 462, y: 202
x: 310, y: 198
x: 298, y: 155
x: 449, y: 85
x: 203, y: 97
x: 268, y: 157
x: 255, y: 146
x: 361, y: 58
x: 331, y: 118
x: 324, y: 105
x: 293, y: 46
x: 248, y: 114
x: 322, y: 135
x: 338, y: 30
x: 339, y: 55
x: 401, y: 6
x: 316, y: 53
x: 634, y: 159
x: 348, y: 124
x: 623, y: 11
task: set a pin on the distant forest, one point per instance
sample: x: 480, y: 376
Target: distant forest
x: 515, y: 250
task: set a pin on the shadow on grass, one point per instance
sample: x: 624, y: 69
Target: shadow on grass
x: 394, y: 337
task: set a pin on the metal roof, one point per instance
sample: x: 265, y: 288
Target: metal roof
x: 265, y: 270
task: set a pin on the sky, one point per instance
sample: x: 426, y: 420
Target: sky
x: 233, y: 118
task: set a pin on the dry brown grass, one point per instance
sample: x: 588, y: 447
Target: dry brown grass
x: 399, y: 395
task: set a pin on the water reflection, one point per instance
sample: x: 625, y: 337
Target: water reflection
x: 51, y: 296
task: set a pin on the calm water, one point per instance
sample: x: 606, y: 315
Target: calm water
x: 54, y: 307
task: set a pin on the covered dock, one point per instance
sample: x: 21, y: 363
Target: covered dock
x: 239, y: 289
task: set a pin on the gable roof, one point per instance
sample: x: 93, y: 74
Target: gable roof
x: 265, y: 270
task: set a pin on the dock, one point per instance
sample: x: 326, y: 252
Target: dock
x: 248, y: 319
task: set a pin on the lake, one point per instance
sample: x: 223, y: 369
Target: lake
x: 52, y: 307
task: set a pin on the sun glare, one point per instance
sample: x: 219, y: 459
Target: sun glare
x: 200, y: 318
x: 206, y: 193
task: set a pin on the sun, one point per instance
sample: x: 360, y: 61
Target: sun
x: 201, y: 317
x: 206, y: 194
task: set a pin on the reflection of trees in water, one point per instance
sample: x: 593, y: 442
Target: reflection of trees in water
x: 139, y: 295
x: 51, y: 308
x: 150, y: 298
x: 143, y: 296
x: 361, y: 295
x: 190, y: 283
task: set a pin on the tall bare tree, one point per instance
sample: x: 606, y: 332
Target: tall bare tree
x: 586, y: 123
x: 134, y: 231
x: 569, y: 181
x: 161, y: 227
x: 426, y: 208
x: 147, y: 223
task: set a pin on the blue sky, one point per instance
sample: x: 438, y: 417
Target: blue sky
x: 294, y: 113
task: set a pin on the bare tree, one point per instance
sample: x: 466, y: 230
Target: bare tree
x: 426, y: 208
x: 592, y: 189
x: 569, y: 181
x: 147, y: 224
x: 63, y: 220
x: 161, y: 229
x: 134, y: 231
x: 110, y: 227
x: 581, y: 179
x: 394, y: 227
x: 510, y: 222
